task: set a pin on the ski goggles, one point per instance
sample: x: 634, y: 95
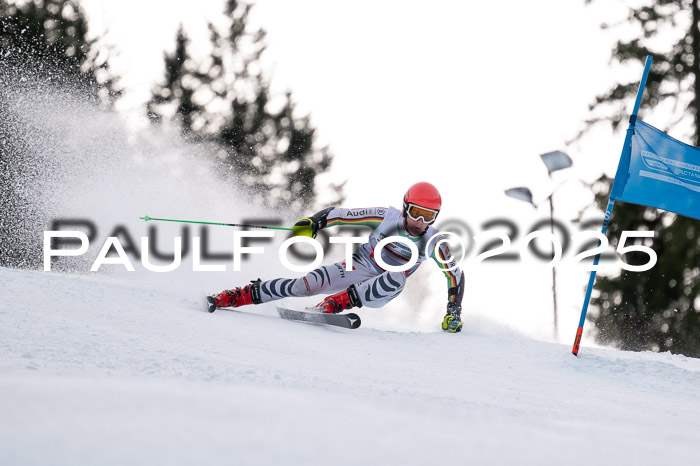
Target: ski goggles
x: 417, y: 212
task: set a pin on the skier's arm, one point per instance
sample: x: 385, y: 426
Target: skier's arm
x: 452, y: 321
x: 368, y: 216
x: 331, y: 216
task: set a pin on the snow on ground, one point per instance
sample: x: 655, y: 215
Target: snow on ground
x: 98, y: 370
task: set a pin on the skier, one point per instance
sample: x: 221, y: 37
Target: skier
x: 367, y: 284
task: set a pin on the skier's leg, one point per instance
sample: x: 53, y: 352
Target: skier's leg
x: 375, y: 291
x: 379, y: 290
x: 326, y: 279
x: 330, y: 278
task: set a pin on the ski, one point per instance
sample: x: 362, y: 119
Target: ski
x: 350, y: 320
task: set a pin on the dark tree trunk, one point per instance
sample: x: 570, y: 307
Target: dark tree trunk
x: 695, y: 37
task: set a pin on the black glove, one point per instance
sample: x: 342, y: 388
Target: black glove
x: 309, y: 226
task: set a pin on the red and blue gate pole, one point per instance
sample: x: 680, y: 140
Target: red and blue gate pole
x: 591, y: 280
x: 611, y: 201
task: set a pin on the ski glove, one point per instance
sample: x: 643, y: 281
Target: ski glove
x: 452, y: 322
x: 309, y: 226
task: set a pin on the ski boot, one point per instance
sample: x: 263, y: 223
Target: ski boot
x: 249, y: 294
x: 346, y: 299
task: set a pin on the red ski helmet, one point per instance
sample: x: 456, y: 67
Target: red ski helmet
x: 422, y: 200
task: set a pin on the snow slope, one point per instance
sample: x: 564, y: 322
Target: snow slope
x: 98, y: 370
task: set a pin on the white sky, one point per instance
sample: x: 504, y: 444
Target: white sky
x: 399, y: 84
x: 463, y: 94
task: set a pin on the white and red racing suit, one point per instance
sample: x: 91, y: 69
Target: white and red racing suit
x: 375, y: 286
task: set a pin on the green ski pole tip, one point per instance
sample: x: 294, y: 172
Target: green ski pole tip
x: 146, y: 218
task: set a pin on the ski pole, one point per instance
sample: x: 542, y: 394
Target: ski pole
x: 147, y: 218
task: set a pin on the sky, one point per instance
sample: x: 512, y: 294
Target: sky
x: 371, y: 73
x: 465, y: 95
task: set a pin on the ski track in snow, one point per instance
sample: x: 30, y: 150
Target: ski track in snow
x: 100, y: 370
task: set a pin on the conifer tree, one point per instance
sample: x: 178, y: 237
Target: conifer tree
x: 49, y: 39
x: 265, y: 146
x: 181, y: 83
x: 42, y: 43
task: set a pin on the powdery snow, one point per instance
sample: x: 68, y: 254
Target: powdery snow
x: 98, y: 370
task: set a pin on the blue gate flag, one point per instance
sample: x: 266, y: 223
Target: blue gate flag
x: 659, y: 171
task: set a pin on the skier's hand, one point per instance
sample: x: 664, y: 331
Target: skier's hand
x: 452, y: 322
x: 305, y: 227
x: 309, y: 226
